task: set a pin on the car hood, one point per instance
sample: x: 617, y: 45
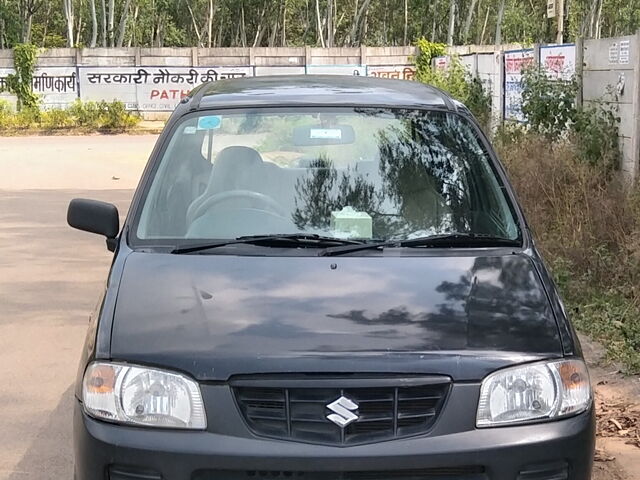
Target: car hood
x: 215, y: 316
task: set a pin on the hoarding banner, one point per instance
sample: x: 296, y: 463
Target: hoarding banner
x: 559, y: 61
x: 515, y: 61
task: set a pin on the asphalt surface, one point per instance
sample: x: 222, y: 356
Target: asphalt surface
x: 51, y: 277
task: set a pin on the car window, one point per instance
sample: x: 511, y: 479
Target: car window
x: 358, y: 173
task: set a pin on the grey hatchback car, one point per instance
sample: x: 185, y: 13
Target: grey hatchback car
x: 326, y: 278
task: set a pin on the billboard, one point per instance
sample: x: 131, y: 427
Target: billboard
x: 515, y: 61
x: 559, y: 61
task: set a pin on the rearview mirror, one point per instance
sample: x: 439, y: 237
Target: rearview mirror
x: 313, y: 135
x: 95, y: 217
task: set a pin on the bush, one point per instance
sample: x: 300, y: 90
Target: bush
x: 87, y: 115
x: 548, y: 104
x: 116, y: 117
x: 596, y: 129
x: 427, y: 51
x: 26, y: 118
x: 6, y: 114
x: 455, y: 80
x: 549, y: 108
x: 103, y: 115
x: 56, y: 118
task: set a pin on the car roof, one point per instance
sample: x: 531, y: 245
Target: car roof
x: 318, y: 90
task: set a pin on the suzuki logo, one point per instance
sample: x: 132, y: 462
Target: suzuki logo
x: 343, y: 411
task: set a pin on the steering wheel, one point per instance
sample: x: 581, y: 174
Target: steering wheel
x: 255, y: 197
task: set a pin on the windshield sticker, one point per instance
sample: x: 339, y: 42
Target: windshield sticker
x: 209, y: 122
x: 329, y: 133
x: 189, y: 130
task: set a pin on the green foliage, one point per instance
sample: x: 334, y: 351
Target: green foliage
x: 609, y: 314
x: 456, y: 80
x: 596, y: 127
x: 270, y: 23
x: 427, y: 51
x: 55, y: 119
x: 116, y: 117
x: 87, y: 116
x: 550, y: 109
x: 25, y: 57
x: 6, y: 114
x: 5, y: 107
x: 26, y: 117
x: 548, y: 104
x: 102, y: 115
x: 614, y: 319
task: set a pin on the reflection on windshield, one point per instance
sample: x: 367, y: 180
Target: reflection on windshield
x: 365, y: 174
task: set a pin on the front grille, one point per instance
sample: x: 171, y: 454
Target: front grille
x: 384, y: 411
x: 471, y: 472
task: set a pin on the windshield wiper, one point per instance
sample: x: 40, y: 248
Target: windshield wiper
x: 276, y: 240
x: 444, y: 240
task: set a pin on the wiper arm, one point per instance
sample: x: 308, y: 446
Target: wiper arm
x: 276, y: 240
x: 460, y: 240
x: 444, y: 240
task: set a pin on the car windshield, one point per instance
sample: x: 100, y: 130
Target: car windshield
x: 366, y: 174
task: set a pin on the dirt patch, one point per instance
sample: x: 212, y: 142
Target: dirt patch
x: 617, y: 402
x: 619, y: 419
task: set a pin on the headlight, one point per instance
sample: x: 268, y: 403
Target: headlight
x: 142, y: 396
x: 534, y: 392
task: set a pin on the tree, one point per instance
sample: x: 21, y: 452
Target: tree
x: 452, y: 21
x: 467, y: 23
x: 224, y: 23
x: 123, y: 23
x: 498, y: 37
x: 67, y: 5
x: 94, y: 24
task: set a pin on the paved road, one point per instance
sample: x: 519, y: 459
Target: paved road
x: 50, y: 279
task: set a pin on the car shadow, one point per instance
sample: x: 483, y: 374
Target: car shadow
x: 50, y: 456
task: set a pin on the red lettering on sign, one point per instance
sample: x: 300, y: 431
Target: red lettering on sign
x: 169, y: 94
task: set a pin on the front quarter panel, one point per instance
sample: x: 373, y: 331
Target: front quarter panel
x: 568, y: 336
x: 97, y: 343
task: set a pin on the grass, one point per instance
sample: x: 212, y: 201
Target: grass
x: 587, y: 225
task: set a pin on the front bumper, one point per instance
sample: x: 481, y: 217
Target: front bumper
x: 547, y: 451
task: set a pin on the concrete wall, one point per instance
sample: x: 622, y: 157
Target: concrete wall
x: 152, y: 80
x: 610, y: 74
x: 220, y: 57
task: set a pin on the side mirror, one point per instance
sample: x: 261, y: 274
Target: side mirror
x: 95, y: 217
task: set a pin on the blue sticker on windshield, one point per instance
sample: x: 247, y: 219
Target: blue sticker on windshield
x: 210, y: 122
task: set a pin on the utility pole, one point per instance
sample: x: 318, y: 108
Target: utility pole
x: 560, y: 15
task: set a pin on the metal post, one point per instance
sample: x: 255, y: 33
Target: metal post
x: 579, y: 71
x: 635, y: 140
